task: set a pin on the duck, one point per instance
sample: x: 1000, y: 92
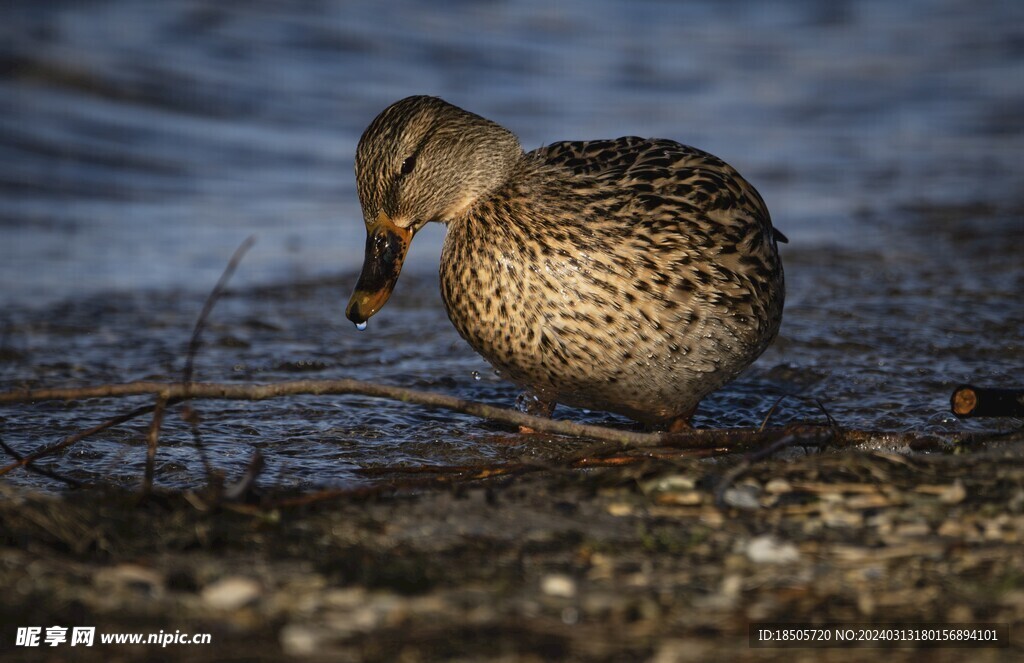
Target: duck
x: 628, y: 275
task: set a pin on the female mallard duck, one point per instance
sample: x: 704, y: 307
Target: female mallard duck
x: 629, y: 275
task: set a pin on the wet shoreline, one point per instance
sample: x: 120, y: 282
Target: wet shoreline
x: 633, y: 562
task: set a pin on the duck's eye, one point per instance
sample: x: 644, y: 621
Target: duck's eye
x: 408, y: 165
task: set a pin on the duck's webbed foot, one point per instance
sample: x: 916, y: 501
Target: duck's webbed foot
x: 529, y: 403
x: 681, y: 424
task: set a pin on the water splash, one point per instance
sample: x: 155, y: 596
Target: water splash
x: 361, y: 325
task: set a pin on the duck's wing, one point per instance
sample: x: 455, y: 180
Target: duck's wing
x: 661, y: 176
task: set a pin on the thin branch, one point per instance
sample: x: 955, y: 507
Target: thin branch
x: 190, y: 414
x: 693, y: 439
x: 499, y: 469
x: 248, y: 480
x: 77, y: 437
x: 44, y: 471
x: 698, y: 438
x: 771, y: 411
x: 211, y: 301
x: 442, y: 475
x: 753, y: 457
x: 152, y: 441
x: 229, y: 391
x: 828, y: 415
x: 377, y: 489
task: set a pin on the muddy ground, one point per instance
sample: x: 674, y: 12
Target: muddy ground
x: 623, y: 563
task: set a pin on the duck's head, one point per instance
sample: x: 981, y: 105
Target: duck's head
x: 422, y: 159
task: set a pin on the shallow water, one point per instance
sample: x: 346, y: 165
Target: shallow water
x: 141, y: 142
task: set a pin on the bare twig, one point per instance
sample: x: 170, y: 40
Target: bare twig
x: 77, y: 437
x: 245, y: 484
x: 190, y: 414
x: 43, y: 471
x: 378, y: 489
x: 771, y: 411
x: 828, y: 415
x: 499, y: 469
x: 442, y: 475
x: 701, y: 438
x: 753, y: 457
x: 211, y: 301
x: 693, y: 439
x: 152, y: 441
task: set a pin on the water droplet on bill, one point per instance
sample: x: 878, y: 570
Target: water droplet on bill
x: 361, y: 325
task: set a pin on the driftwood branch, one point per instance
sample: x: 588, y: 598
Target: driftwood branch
x: 971, y: 401
x: 231, y: 391
x: 699, y: 438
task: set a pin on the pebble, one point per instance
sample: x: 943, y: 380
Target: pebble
x: 620, y: 509
x: 557, y: 584
x: 686, y: 651
x: 835, y: 515
x: 906, y: 530
x: 231, y: 593
x: 130, y: 576
x: 300, y: 640
x: 672, y: 482
x: 743, y: 497
x: 777, y: 486
x: 954, y: 494
x: 769, y: 550
x: 345, y: 598
x: 682, y: 498
x: 951, y: 528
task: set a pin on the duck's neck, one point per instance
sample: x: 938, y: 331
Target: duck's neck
x: 530, y: 180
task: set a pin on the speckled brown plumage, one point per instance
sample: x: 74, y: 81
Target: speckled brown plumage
x: 628, y: 275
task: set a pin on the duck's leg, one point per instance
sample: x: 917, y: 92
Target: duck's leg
x: 530, y: 403
x: 681, y: 424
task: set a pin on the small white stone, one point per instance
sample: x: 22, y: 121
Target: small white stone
x: 671, y: 482
x: 769, y: 550
x: 130, y: 576
x: 345, y: 598
x: 954, y: 494
x: 620, y: 509
x: 557, y: 584
x: 300, y: 640
x: 743, y: 497
x: 231, y: 593
x: 732, y: 584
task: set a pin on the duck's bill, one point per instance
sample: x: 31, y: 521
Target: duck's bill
x: 386, y: 246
